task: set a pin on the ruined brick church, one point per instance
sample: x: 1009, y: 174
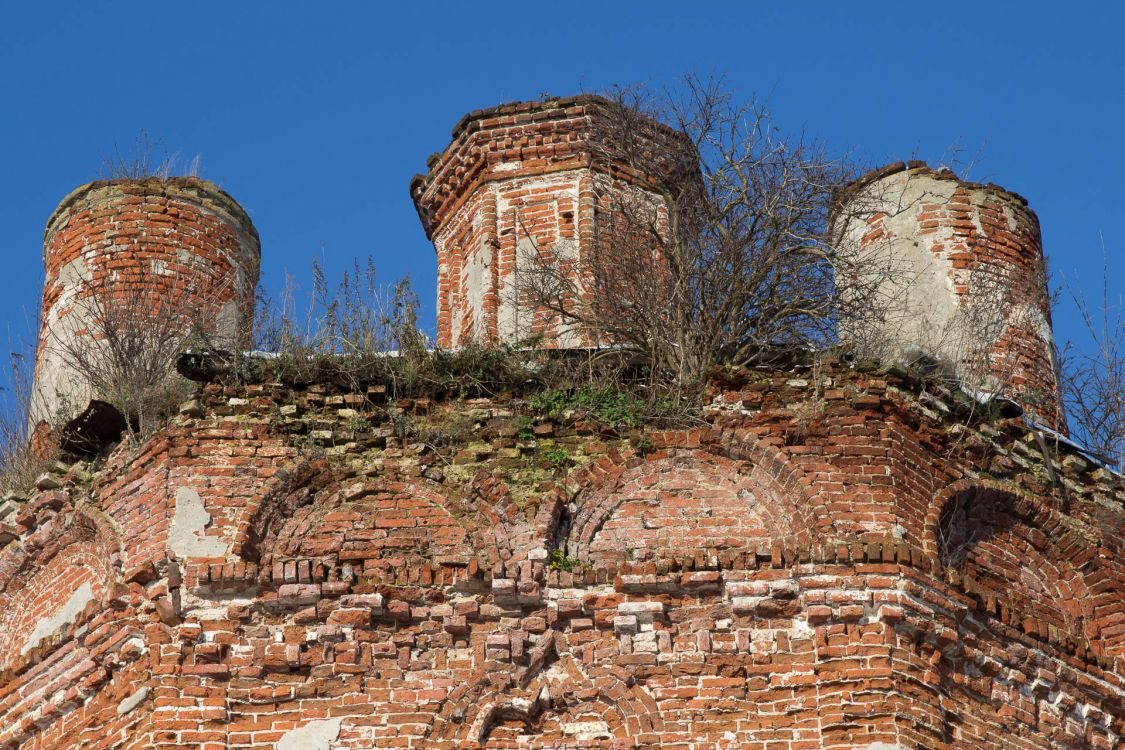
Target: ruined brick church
x: 846, y: 556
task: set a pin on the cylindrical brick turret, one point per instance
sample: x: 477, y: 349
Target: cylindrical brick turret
x: 179, y: 247
x: 961, y: 276
x: 520, y: 178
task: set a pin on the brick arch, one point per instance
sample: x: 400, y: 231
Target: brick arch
x: 291, y: 487
x: 682, y: 504
x: 305, y: 491
x: 1013, y: 546
x: 515, y: 529
x: 783, y: 477
x: 54, y: 581
x: 494, y: 725
x: 1024, y: 504
x: 398, y: 521
x: 518, y: 530
x: 483, y: 715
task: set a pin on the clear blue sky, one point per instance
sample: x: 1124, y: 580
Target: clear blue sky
x: 315, y: 115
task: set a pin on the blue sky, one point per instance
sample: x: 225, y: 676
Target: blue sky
x: 315, y: 115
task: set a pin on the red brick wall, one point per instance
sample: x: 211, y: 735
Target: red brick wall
x: 39, y: 590
x: 824, y: 563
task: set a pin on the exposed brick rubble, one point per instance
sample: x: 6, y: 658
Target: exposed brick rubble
x: 837, y: 557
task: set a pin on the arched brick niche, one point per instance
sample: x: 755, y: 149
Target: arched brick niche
x: 53, y: 588
x: 1012, y: 548
x: 525, y: 723
x: 388, y: 525
x: 687, y: 505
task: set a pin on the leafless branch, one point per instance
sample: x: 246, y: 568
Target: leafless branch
x: 1093, y: 377
x: 124, y: 333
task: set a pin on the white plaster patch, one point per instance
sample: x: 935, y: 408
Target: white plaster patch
x: 587, y: 730
x: 514, y: 319
x: 45, y: 626
x: 802, y: 629
x: 186, y: 538
x: 316, y: 735
x: 132, y: 701
x: 477, y: 283
x: 313, y: 735
x: 73, y: 274
x: 228, y: 324
x: 566, y: 249
x: 882, y: 746
x: 916, y: 277
x: 1034, y: 318
x: 188, y: 258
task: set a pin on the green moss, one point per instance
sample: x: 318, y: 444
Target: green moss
x: 557, y: 560
x: 609, y: 406
x: 558, y: 456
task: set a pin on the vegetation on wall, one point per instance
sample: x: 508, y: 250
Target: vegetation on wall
x: 725, y: 251
x: 19, y: 466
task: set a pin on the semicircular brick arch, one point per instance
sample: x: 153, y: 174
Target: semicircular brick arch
x: 54, y: 582
x: 388, y: 523
x: 1016, y: 548
x: 513, y: 528
x: 685, y: 504
x: 782, y: 477
x: 293, y: 486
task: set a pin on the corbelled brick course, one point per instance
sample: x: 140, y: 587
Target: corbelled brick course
x: 837, y: 559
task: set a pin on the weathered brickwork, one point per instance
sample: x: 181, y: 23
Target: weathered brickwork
x: 836, y: 555
x: 518, y: 180
x: 837, y: 558
x: 179, y: 242
x: 965, y: 278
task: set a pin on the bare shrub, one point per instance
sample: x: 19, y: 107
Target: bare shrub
x: 1093, y: 377
x: 723, y: 253
x: 123, y: 336
x: 148, y: 158
x: 19, y: 465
